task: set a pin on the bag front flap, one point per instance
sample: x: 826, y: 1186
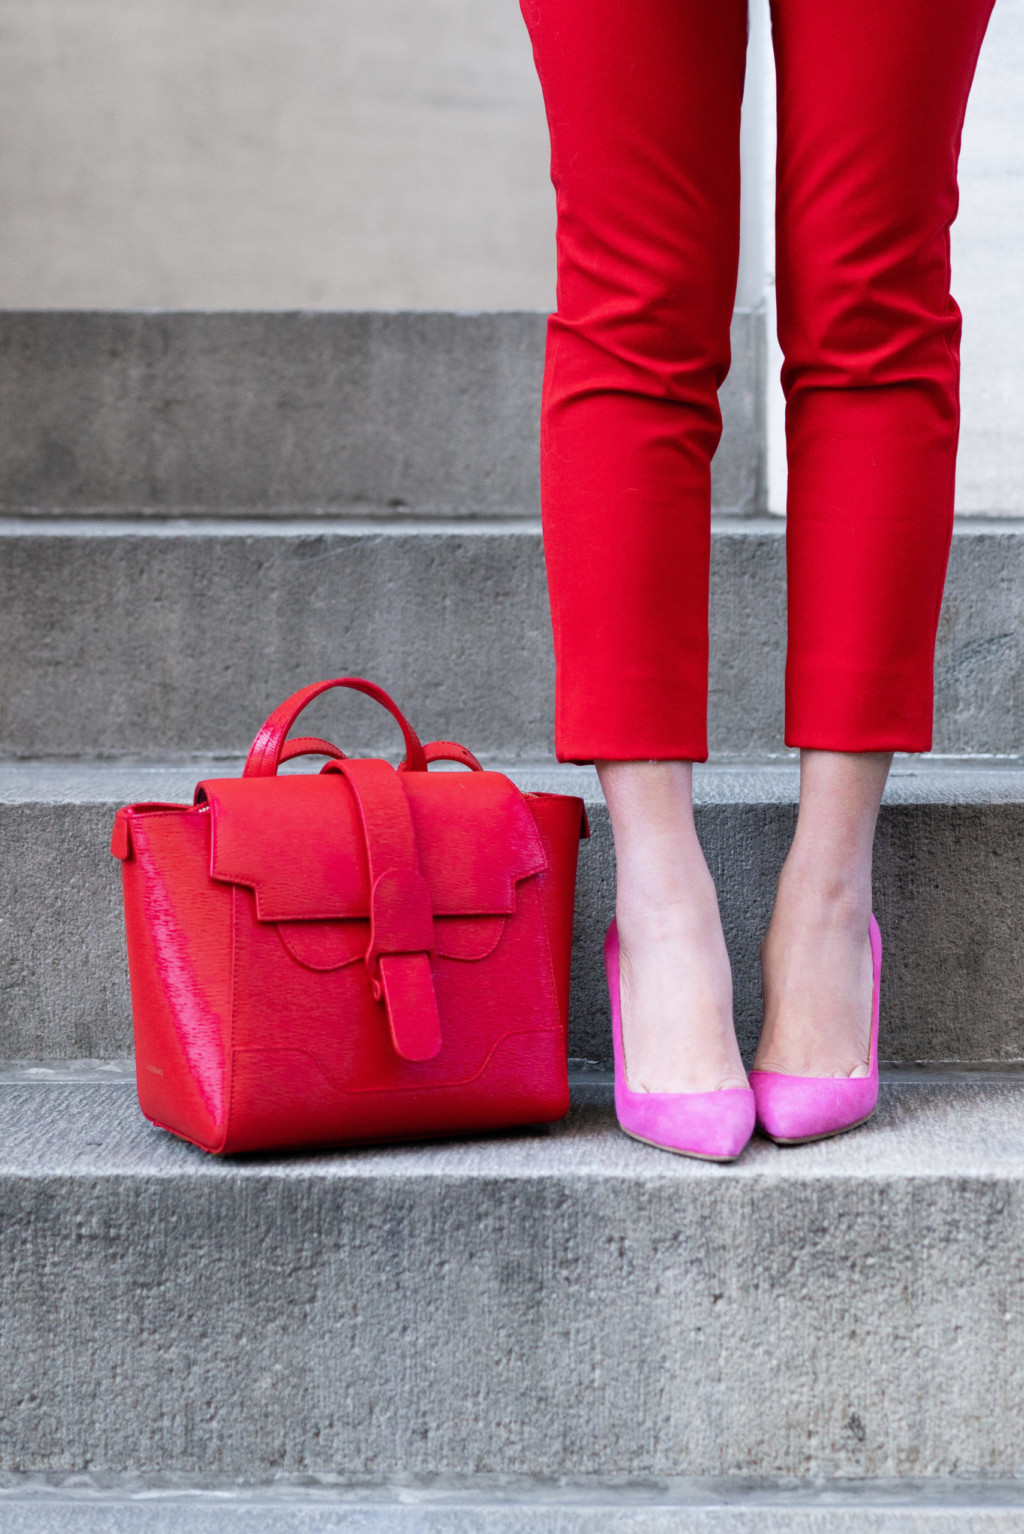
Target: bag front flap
x: 298, y: 843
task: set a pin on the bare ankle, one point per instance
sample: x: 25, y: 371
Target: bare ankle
x: 824, y: 890
x: 675, y: 977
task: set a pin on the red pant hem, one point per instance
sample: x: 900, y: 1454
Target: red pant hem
x: 580, y: 755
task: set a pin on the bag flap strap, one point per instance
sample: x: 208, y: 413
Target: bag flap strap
x: 401, y: 914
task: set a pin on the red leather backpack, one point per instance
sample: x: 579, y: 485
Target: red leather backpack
x: 360, y: 954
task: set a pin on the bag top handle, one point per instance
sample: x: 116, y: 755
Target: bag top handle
x: 267, y: 749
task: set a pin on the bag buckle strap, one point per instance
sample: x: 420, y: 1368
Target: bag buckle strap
x: 401, y: 912
x: 398, y: 960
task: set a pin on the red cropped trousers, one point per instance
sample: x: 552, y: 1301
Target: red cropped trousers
x: 643, y: 104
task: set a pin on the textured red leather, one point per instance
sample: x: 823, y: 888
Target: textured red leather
x: 361, y: 954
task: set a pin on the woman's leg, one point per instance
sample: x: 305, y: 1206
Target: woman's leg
x: 643, y: 104
x: 675, y: 982
x: 871, y: 103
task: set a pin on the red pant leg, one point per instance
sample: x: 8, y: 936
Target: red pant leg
x: 643, y: 104
x: 871, y: 102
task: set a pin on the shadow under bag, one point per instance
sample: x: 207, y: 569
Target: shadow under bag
x: 360, y: 954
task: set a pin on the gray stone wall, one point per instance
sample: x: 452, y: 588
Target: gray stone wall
x: 272, y: 154
x: 988, y: 274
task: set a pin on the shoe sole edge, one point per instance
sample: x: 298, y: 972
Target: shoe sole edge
x: 828, y: 1134
x: 674, y: 1150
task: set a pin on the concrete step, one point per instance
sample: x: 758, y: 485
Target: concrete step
x: 504, y: 1505
x: 313, y: 413
x: 554, y: 1303
x: 949, y: 893
x: 157, y: 639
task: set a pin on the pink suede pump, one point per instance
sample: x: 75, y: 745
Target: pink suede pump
x: 713, y: 1126
x: 791, y: 1110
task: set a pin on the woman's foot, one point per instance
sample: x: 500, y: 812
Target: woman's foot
x: 816, y: 955
x: 816, y: 968
x: 675, y: 980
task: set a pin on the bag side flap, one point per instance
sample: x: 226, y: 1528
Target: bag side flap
x: 297, y: 842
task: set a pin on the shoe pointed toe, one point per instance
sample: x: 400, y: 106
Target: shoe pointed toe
x: 714, y: 1126
x: 795, y: 1108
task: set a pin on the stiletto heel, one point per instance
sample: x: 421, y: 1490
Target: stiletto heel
x: 713, y: 1126
x: 793, y: 1110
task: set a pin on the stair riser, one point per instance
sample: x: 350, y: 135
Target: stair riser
x: 214, y: 413
x: 155, y: 646
x: 950, y: 885
x: 251, y: 1322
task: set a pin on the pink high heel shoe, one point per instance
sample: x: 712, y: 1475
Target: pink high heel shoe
x: 792, y: 1110
x: 714, y: 1126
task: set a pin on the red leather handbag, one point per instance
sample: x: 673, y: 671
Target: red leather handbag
x: 360, y: 954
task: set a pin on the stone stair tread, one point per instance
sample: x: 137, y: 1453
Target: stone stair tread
x: 369, y: 519
x: 495, y: 1505
x: 243, y: 524
x: 739, y: 780
x: 946, y: 1125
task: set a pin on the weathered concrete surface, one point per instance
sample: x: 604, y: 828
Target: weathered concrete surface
x: 508, y: 1505
x: 170, y: 641
x: 162, y: 639
x: 310, y: 412
x: 949, y: 889
x: 552, y: 1303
